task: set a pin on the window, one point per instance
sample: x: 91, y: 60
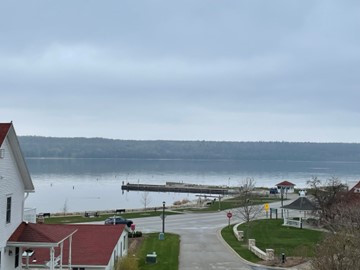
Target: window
x: 78, y: 268
x: 8, y: 209
x: 2, y: 153
x: 17, y: 256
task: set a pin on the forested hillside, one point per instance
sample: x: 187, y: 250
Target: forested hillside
x: 49, y: 147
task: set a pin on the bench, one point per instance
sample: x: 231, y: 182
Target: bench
x: 119, y: 211
x: 91, y: 214
x: 44, y: 215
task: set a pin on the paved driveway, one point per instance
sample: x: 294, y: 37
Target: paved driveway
x: 201, y: 246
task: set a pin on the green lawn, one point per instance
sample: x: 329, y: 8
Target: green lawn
x: 235, y: 203
x: 167, y: 252
x: 271, y: 234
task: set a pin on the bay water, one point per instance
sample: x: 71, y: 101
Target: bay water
x: 74, y: 185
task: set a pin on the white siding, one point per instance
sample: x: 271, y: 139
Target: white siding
x: 8, y: 261
x: 120, y: 250
x: 11, y: 184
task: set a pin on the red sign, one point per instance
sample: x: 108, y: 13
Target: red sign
x: 229, y: 215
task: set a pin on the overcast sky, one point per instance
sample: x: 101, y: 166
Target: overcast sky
x: 182, y: 70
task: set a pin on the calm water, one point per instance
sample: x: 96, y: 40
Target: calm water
x: 95, y: 184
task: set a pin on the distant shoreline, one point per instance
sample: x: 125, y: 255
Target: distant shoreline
x: 50, y: 147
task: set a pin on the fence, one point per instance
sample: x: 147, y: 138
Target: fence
x: 293, y: 223
x: 266, y: 256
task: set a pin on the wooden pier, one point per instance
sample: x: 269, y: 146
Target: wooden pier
x: 177, y: 188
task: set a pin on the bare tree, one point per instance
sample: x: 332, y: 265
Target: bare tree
x: 339, y: 251
x: 145, y: 199
x: 346, y: 217
x: 327, y: 196
x: 248, y: 210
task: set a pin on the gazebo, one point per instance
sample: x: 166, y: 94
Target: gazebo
x: 286, y: 186
x: 300, y: 204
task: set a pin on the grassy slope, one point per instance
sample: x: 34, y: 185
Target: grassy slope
x: 271, y: 234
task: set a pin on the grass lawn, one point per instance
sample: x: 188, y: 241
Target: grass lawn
x: 235, y: 203
x: 269, y: 233
x: 167, y: 252
x: 79, y: 218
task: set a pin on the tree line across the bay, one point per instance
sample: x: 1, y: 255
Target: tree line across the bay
x: 52, y: 147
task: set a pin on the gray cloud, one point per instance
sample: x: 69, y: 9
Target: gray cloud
x: 228, y: 70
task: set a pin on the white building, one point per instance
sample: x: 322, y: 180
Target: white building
x: 25, y: 244
x: 15, y: 185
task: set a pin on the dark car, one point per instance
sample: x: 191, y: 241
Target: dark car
x: 118, y: 220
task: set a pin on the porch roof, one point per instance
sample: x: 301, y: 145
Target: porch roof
x: 40, y: 235
x: 92, y: 244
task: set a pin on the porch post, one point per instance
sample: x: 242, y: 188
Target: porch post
x: 61, y: 255
x: 52, y: 251
x: 70, y: 251
x: 27, y: 261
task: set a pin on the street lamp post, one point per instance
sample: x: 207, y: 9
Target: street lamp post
x: 163, y: 218
x: 282, y: 202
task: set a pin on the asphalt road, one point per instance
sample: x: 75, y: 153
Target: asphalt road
x: 201, y: 246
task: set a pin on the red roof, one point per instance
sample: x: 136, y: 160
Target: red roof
x: 4, y: 128
x: 40, y: 233
x: 355, y: 189
x: 285, y: 184
x: 91, y: 244
x: 354, y: 193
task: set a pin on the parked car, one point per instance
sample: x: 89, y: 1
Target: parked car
x: 118, y: 220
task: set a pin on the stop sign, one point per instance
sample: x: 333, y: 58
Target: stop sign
x: 229, y: 215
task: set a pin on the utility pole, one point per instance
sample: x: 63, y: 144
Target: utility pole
x: 163, y: 218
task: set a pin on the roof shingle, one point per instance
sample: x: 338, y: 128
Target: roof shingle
x: 4, y: 128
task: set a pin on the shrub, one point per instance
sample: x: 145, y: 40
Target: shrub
x: 135, y: 234
x: 128, y: 263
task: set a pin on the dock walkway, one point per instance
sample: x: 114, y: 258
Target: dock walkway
x: 176, y: 187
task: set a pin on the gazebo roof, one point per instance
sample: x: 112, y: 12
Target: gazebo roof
x: 285, y: 184
x: 301, y: 204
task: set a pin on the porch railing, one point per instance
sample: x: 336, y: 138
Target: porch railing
x: 29, y: 215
